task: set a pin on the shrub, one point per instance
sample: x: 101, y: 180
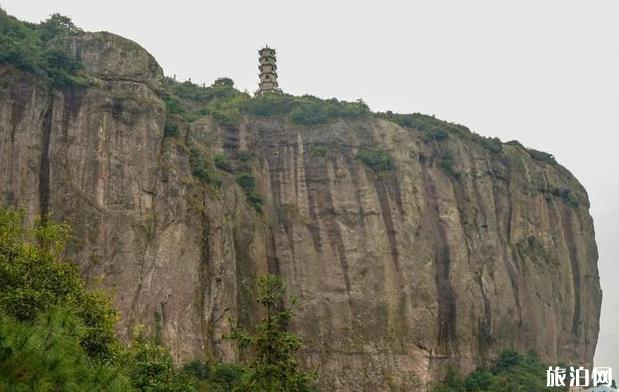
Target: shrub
x: 170, y: 129
x: 376, y: 159
x: 433, y: 127
x: 151, y: 369
x: 34, y: 48
x: 446, y: 162
x: 227, y: 82
x: 567, y: 196
x: 247, y: 181
x: 511, y: 371
x: 318, y: 150
x: 541, y: 156
x: 493, y: 144
x: 222, y: 163
x: 202, y: 168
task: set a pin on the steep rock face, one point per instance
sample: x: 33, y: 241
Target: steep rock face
x: 456, y: 254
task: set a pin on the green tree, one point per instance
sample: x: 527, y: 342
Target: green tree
x: 151, y: 369
x: 46, y: 355
x: 35, y: 280
x: 512, y: 371
x: 224, y: 82
x: 270, y: 350
x: 56, y: 25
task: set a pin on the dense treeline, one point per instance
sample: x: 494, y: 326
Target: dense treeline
x: 37, y: 48
x: 56, y: 334
x: 511, y: 371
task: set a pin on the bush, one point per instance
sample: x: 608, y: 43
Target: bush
x: 222, y: 163
x: 433, y: 127
x: 318, y: 150
x: 151, y: 369
x: 227, y: 82
x: 170, y: 129
x: 541, y: 156
x: 247, y: 181
x: 34, y: 48
x: 567, y: 196
x: 493, y: 144
x: 376, y: 159
x: 446, y: 163
x: 511, y: 371
x: 203, y: 168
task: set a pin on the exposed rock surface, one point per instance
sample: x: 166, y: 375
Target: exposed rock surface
x: 397, y: 273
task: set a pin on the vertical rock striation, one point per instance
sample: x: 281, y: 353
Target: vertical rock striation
x: 398, y: 272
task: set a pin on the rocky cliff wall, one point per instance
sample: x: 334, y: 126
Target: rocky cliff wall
x: 452, y: 256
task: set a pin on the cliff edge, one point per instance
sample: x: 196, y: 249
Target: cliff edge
x: 410, y: 243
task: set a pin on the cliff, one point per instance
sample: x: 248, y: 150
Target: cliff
x: 408, y: 248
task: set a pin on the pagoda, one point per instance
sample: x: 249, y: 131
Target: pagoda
x: 268, y: 71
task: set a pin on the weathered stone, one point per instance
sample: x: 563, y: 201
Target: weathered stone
x: 398, y: 273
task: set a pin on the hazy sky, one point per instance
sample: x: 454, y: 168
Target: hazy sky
x: 543, y: 72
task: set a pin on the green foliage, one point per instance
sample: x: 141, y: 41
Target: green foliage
x: 222, y: 163
x: 446, y: 163
x: 433, y: 127
x: 318, y: 150
x: 46, y: 354
x: 203, y: 168
x: 493, y: 144
x: 33, y: 280
x: 35, y: 48
x: 567, y: 196
x: 305, y: 110
x: 376, y: 159
x: 245, y: 156
x: 224, y: 82
x: 308, y: 110
x: 541, y: 156
x: 247, y: 181
x: 270, y: 350
x: 57, y: 336
x: 512, y: 371
x: 220, y: 377
x: 170, y: 129
x: 190, y: 101
x: 151, y: 369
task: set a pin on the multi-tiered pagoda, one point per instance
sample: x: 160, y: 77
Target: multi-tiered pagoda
x: 268, y: 71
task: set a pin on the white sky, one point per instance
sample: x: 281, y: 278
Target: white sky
x: 543, y: 72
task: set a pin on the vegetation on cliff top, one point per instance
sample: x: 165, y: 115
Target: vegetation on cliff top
x: 227, y: 104
x: 35, y: 48
x: 56, y: 334
x: 38, y: 49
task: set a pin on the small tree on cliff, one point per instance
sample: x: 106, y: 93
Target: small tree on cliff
x: 271, y: 348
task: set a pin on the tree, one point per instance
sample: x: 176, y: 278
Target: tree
x: 227, y: 82
x: 151, y: 369
x: 34, y: 280
x: 56, y: 25
x: 46, y: 355
x: 271, y: 348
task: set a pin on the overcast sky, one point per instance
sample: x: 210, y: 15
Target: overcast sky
x: 543, y: 72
